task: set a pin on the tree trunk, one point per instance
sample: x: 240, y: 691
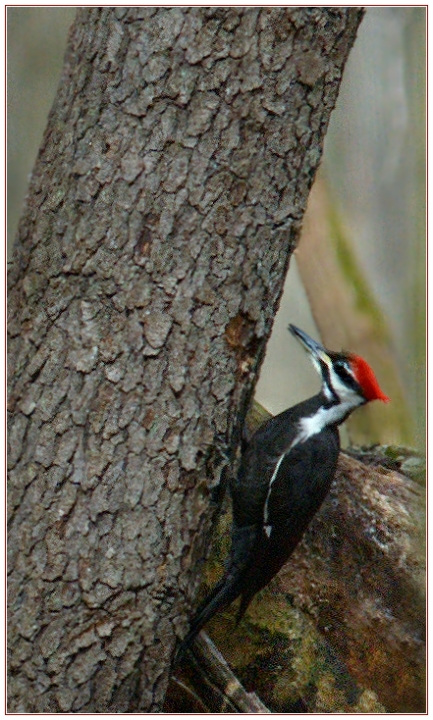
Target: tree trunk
x: 165, y: 203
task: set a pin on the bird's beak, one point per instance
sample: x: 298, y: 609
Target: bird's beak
x: 315, y: 349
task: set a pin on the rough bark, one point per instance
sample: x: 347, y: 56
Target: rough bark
x: 166, y: 200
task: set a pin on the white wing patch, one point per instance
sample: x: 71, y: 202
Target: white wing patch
x: 266, y: 525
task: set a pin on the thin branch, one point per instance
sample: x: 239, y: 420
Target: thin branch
x: 216, y: 682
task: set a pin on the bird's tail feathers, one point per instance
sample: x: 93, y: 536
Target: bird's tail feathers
x: 243, y: 605
x: 221, y: 596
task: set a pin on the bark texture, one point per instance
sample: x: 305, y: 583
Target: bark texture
x: 162, y: 211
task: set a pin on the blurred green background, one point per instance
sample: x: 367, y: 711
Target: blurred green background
x: 373, y: 172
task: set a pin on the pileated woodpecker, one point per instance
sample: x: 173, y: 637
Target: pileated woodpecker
x: 285, y: 473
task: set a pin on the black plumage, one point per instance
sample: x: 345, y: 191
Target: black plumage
x: 302, y: 482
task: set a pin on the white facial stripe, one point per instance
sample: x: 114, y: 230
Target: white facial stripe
x: 327, y: 391
x: 344, y: 392
x: 324, y: 358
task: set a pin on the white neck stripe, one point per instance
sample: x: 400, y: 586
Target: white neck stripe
x: 314, y: 424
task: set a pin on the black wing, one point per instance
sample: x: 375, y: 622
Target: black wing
x: 302, y: 482
x: 249, y: 489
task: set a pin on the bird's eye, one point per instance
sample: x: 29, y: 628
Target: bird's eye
x: 340, y: 367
